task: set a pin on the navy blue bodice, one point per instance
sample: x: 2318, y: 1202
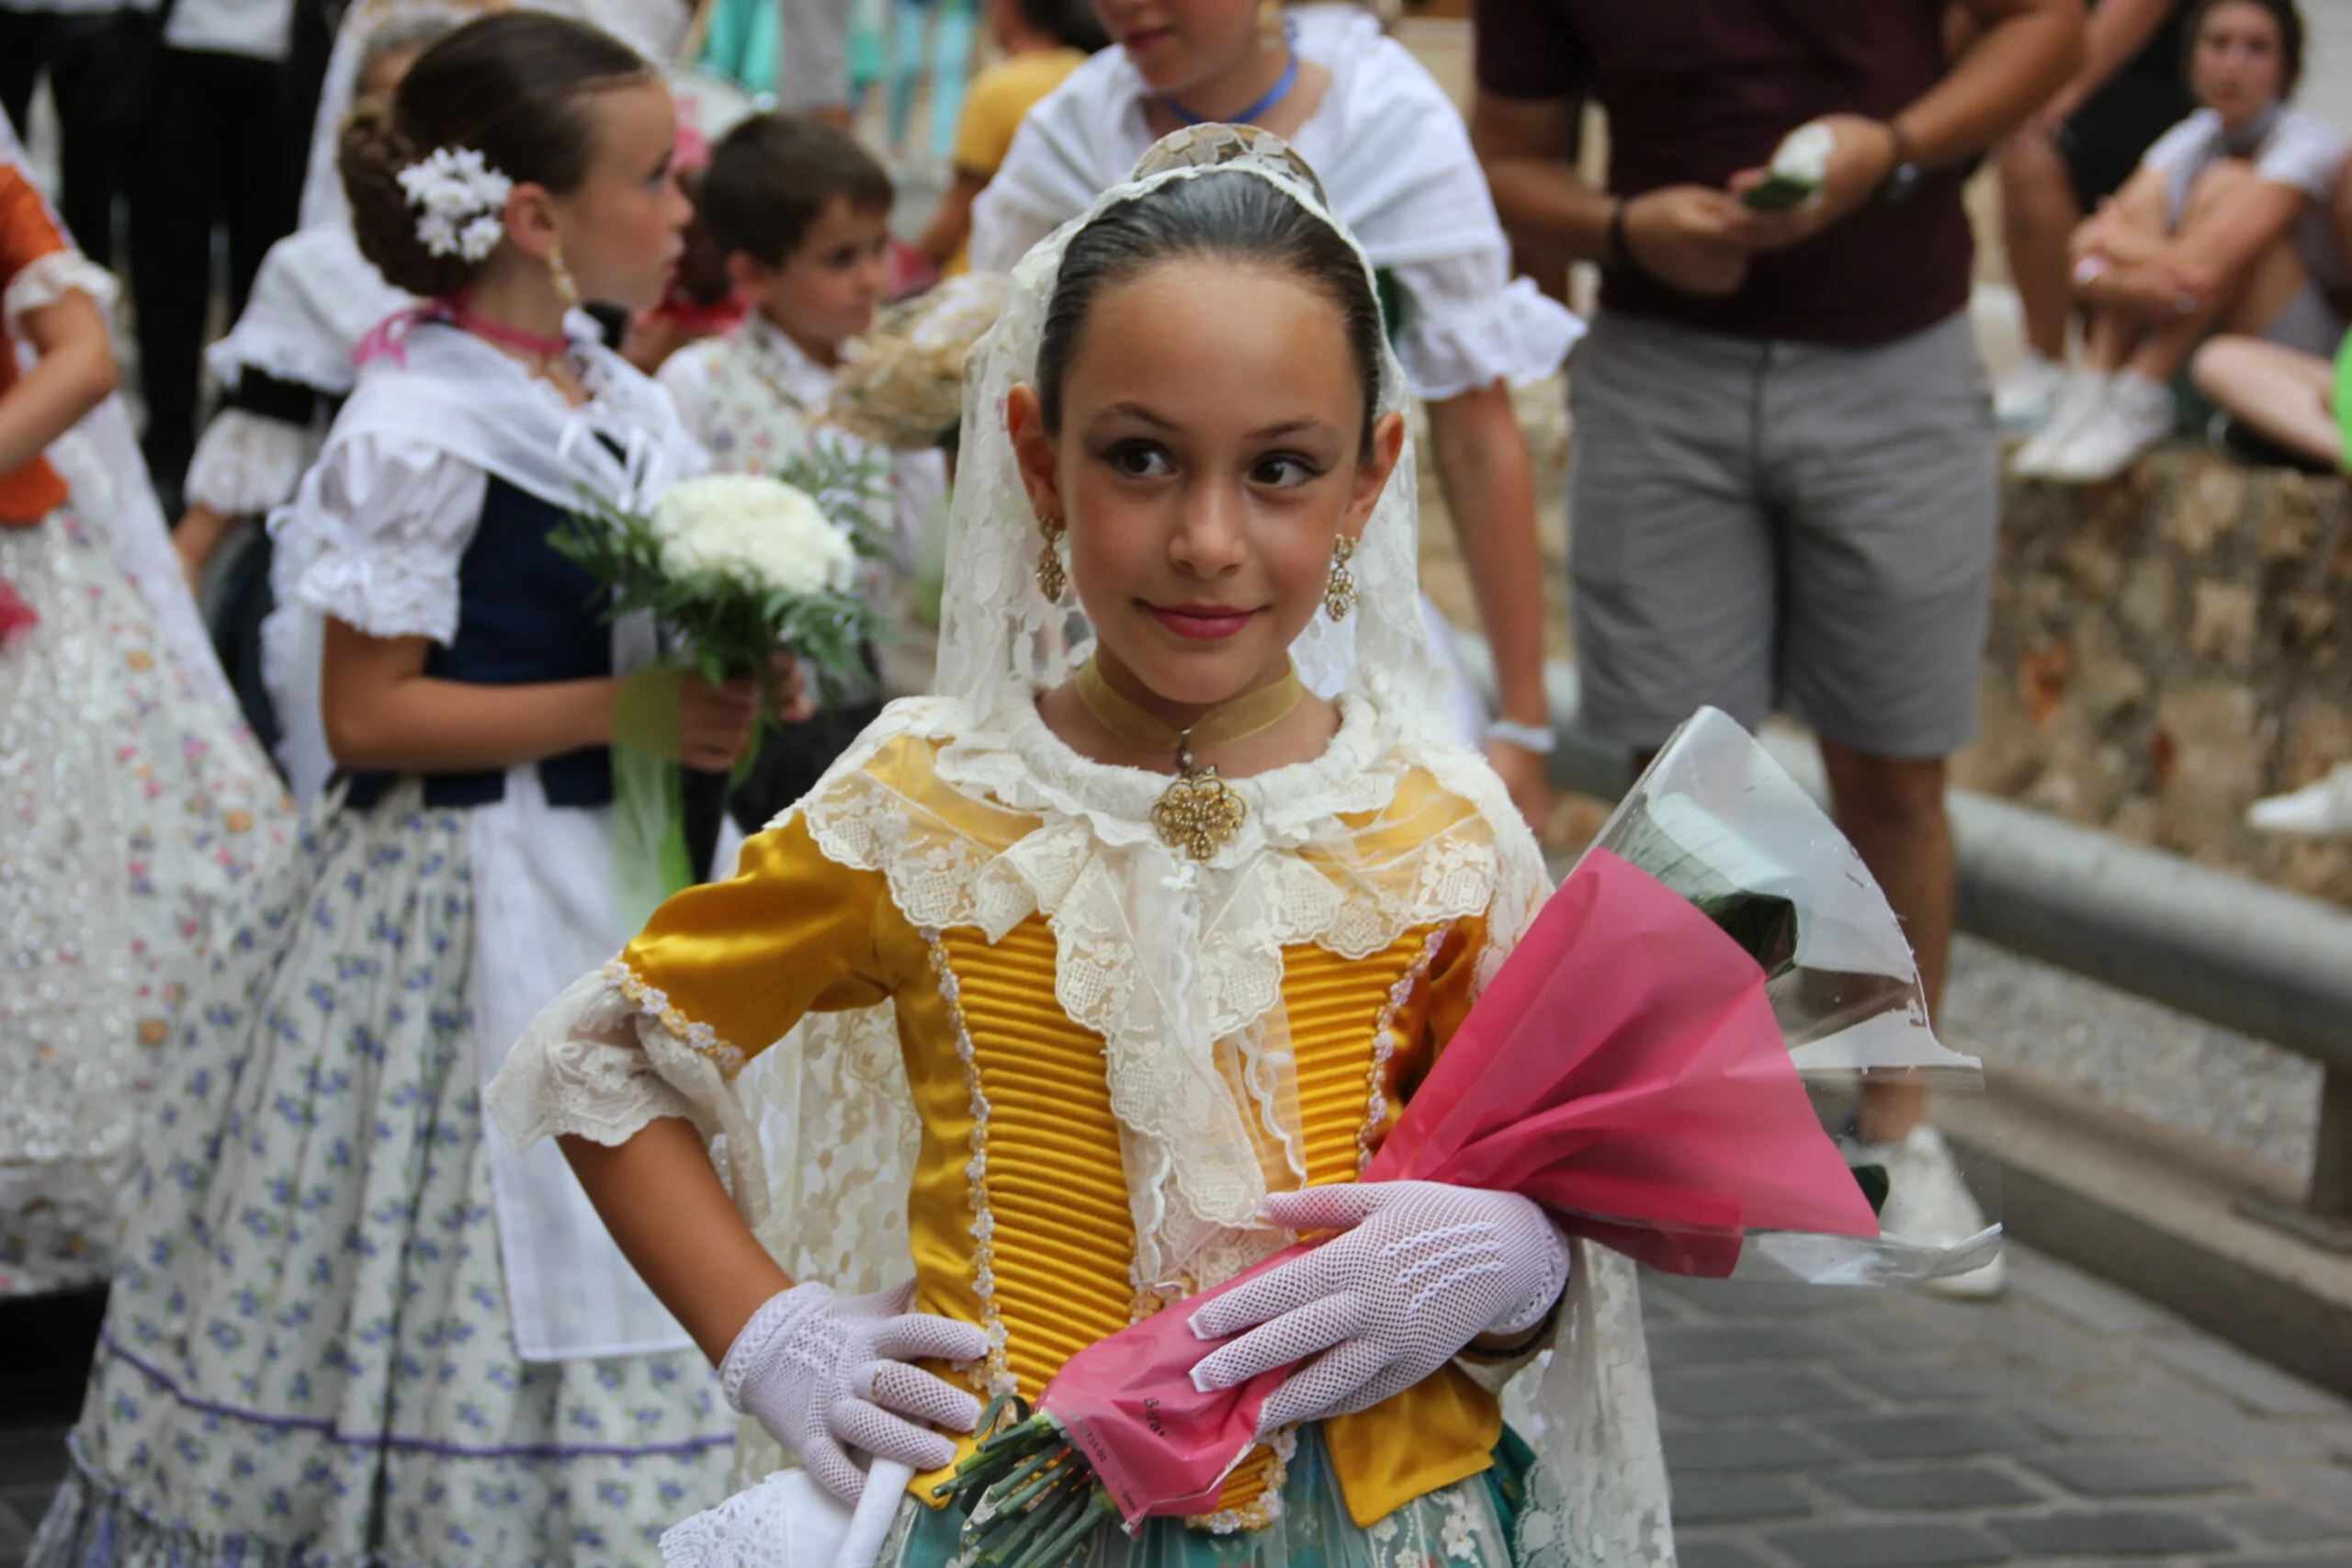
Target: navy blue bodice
x: 525, y: 615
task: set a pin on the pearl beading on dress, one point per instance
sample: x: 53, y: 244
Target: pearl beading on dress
x: 700, y: 1037
x: 1384, y: 1044
x: 995, y: 1377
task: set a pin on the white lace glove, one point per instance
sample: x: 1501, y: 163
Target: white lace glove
x: 825, y: 1373
x: 1419, y: 1271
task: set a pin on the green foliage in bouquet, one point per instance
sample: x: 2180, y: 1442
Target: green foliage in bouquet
x: 730, y: 616
x: 1689, y: 852
x: 1029, y: 1501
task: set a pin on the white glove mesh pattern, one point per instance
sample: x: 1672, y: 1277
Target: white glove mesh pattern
x: 1419, y: 1270
x: 824, y: 1374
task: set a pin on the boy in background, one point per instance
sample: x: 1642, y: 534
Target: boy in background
x: 1042, y: 41
x: 800, y: 212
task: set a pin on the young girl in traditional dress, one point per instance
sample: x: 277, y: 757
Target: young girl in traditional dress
x: 1083, y: 968
x: 132, y: 801
x: 350, y: 1329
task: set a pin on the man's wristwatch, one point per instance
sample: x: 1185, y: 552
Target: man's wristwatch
x: 1904, y: 176
x: 1533, y: 738
x: 1617, y: 255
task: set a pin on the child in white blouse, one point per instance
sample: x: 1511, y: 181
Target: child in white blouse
x: 801, y: 213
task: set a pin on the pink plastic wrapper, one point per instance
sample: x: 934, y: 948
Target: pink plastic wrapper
x: 1624, y: 1069
x: 17, y: 617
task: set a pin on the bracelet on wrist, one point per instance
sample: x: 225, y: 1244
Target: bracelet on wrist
x: 1536, y: 737
x: 1904, y: 151
x: 1617, y: 253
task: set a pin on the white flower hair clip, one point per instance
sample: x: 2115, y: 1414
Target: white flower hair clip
x: 462, y: 198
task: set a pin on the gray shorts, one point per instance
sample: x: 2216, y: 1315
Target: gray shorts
x: 1757, y: 526
x: 2307, y: 323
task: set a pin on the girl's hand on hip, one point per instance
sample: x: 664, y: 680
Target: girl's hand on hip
x: 824, y: 1374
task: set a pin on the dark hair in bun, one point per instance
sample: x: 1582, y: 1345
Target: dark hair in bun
x: 509, y: 86
x: 1224, y: 217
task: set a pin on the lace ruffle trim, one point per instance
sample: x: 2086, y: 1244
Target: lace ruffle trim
x: 699, y: 1038
x: 940, y: 877
x: 247, y: 463
x: 385, y: 593
x: 46, y: 279
x: 1516, y: 335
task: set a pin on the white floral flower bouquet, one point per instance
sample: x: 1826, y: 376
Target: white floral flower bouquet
x: 741, y: 567
x: 737, y: 568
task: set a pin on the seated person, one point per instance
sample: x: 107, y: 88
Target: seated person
x: 2063, y: 163
x: 2227, y: 225
x: 2278, y: 404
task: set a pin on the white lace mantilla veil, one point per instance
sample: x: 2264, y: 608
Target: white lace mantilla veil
x: 1191, y: 1018
x: 100, y: 462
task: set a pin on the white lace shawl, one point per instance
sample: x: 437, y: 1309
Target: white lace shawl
x: 1177, y: 965
x: 447, y: 391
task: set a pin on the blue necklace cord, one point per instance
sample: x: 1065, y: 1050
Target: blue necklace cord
x: 1275, y: 94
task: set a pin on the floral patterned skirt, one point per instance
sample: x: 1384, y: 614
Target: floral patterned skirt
x: 307, y: 1355
x: 132, y: 811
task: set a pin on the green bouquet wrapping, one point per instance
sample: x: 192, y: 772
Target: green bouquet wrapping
x: 736, y: 568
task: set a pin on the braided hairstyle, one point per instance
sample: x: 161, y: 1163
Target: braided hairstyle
x: 512, y: 86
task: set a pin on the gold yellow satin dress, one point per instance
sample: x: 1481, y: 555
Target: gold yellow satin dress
x: 1015, y: 1107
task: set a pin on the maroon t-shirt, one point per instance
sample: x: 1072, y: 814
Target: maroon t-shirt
x: 1696, y: 90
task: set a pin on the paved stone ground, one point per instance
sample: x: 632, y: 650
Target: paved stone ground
x: 2067, y: 1423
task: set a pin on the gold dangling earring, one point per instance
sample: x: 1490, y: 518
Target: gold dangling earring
x: 566, y: 291
x: 1052, y: 580
x: 1273, y: 33
x: 1340, y: 588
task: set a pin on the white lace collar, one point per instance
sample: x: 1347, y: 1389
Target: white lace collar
x: 1026, y: 767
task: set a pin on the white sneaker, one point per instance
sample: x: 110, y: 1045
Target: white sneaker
x: 2136, y: 414
x: 2022, y: 402
x: 2321, y: 810
x: 2076, y: 401
x: 1927, y: 1202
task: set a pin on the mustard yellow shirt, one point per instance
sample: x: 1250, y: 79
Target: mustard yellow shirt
x: 999, y: 99
x: 995, y: 1065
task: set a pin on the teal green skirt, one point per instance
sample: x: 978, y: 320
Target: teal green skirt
x: 1468, y: 1525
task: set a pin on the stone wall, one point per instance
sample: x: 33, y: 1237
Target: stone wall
x: 2166, y: 648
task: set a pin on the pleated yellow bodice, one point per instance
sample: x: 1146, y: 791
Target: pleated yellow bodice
x: 1019, y: 1216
